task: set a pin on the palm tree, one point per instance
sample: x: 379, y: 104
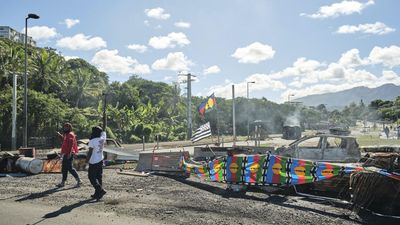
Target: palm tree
x: 46, y: 70
x: 84, y: 84
x: 11, y: 61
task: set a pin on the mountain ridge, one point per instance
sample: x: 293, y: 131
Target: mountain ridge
x: 342, y: 98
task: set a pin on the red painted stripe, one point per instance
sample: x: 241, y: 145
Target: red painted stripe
x: 276, y: 178
x: 233, y: 175
x: 253, y: 176
x: 302, y: 180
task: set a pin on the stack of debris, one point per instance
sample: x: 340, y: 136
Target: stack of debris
x: 374, y: 191
x: 7, y: 162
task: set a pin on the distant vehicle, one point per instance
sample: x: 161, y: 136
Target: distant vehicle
x: 323, y: 147
x: 339, y: 130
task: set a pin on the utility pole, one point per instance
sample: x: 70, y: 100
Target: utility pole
x: 233, y: 115
x: 14, y: 114
x: 189, y: 102
x: 247, y: 109
x: 105, y: 112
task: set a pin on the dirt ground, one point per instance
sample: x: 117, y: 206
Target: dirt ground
x: 170, y: 200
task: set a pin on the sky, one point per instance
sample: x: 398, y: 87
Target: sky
x: 289, y: 49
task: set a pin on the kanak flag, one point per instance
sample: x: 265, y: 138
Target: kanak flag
x: 207, y: 105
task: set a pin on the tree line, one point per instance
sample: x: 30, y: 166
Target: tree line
x: 72, y: 90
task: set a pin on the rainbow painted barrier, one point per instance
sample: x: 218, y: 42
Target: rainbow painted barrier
x: 265, y: 170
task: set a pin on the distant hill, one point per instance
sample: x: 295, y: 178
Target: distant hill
x: 340, y: 99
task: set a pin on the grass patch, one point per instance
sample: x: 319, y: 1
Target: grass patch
x: 374, y: 140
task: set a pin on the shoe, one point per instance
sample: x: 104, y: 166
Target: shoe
x: 101, y: 194
x: 62, y: 184
x: 78, y: 183
x: 93, y: 196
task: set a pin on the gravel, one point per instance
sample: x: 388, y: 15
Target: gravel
x: 174, y: 200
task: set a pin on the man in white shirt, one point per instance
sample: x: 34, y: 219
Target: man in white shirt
x: 95, y: 158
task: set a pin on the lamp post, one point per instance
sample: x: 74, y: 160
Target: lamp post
x: 247, y: 109
x: 25, y: 140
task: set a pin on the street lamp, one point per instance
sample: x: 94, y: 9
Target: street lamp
x: 248, y: 124
x: 25, y: 140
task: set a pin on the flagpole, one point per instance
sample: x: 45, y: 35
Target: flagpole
x: 216, y: 109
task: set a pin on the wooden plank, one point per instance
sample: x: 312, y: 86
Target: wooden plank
x: 133, y: 173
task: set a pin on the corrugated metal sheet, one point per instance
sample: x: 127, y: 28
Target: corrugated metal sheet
x: 161, y: 161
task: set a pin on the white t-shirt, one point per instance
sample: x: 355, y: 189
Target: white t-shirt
x: 97, y: 144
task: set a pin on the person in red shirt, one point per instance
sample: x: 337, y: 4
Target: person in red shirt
x: 68, y: 149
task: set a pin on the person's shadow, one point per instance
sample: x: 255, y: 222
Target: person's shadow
x: 42, y: 194
x: 68, y: 208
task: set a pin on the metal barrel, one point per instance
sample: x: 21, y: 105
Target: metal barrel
x: 30, y: 165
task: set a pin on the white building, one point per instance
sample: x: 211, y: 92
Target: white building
x: 13, y: 35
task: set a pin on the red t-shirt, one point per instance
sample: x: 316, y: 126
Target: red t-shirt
x: 69, y: 144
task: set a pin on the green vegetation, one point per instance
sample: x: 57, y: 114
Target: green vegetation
x: 72, y: 90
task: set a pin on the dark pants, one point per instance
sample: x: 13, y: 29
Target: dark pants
x: 67, y: 166
x: 96, y: 176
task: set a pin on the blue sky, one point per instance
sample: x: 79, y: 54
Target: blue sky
x: 287, y: 48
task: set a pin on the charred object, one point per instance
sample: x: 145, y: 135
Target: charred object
x: 291, y: 132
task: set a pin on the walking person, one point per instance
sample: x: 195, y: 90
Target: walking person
x: 95, y: 158
x: 68, y: 149
x: 386, y: 130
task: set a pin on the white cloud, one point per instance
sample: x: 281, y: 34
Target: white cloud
x: 175, y: 61
x: 373, y: 82
x: 168, y: 78
x: 388, y: 56
x: 307, y: 77
x: 354, y: 76
x: 334, y: 71
x: 169, y: 41
x: 146, y: 22
x: 254, y: 53
x: 368, y: 28
x: 71, y: 22
x: 338, y: 9
x: 211, y: 70
x: 157, y: 13
x: 138, y: 48
x: 301, y: 67
x: 262, y: 82
x: 182, y: 24
x: 41, y: 33
x: 70, y: 57
x: 389, y: 75
x: 81, y: 42
x: 110, y: 62
x: 351, y: 58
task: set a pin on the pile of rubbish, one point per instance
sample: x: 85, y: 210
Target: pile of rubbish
x: 377, y: 188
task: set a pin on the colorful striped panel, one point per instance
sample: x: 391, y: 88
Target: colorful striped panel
x: 384, y: 172
x: 276, y: 172
x: 217, y: 170
x: 326, y: 171
x: 234, y: 165
x: 300, y: 171
x: 253, y: 173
